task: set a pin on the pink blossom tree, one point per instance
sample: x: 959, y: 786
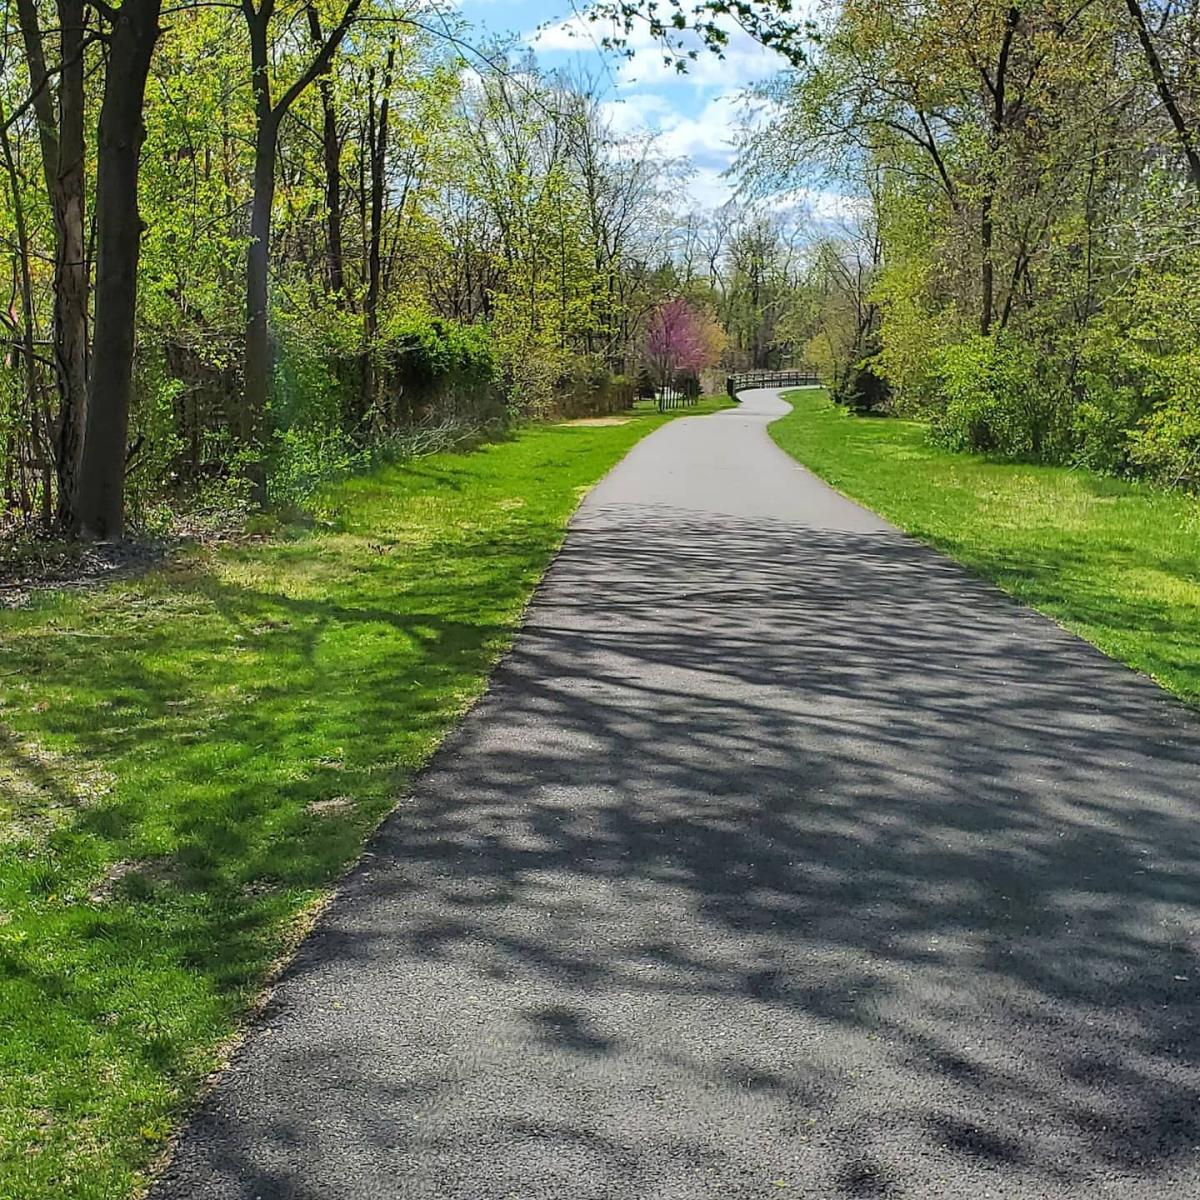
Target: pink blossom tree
x: 679, y: 341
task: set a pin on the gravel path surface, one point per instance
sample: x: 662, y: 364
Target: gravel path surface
x: 783, y: 858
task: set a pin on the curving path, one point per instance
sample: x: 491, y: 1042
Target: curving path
x: 784, y: 859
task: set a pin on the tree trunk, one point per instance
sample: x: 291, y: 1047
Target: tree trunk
x: 332, y: 152
x: 26, y: 340
x: 987, y: 270
x: 62, y: 146
x: 1187, y: 135
x: 70, y: 269
x: 101, y: 507
x: 253, y: 424
x: 257, y: 366
x: 999, y: 117
x: 378, y: 134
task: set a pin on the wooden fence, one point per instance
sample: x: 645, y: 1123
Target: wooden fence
x: 744, y: 380
x: 673, y: 397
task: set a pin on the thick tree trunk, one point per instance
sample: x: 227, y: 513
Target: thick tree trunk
x: 101, y: 508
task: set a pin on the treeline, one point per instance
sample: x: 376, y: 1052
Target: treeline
x: 244, y: 244
x: 1022, y: 262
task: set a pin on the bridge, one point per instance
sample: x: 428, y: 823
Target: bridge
x: 793, y: 377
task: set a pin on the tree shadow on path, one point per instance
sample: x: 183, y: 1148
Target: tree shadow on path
x: 776, y: 861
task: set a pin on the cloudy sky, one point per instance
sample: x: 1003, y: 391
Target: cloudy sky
x: 693, y: 113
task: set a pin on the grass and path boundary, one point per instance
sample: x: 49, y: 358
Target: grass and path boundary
x: 189, y: 760
x: 1116, y: 562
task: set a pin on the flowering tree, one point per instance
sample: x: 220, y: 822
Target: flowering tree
x: 681, y: 341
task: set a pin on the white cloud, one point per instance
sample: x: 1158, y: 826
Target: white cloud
x: 693, y: 115
x: 639, y: 112
x: 573, y: 33
x: 707, y: 138
x: 743, y: 61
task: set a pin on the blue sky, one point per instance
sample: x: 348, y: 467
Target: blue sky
x: 693, y: 114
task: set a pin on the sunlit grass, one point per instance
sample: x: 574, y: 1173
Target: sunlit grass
x: 1116, y: 562
x: 189, y: 760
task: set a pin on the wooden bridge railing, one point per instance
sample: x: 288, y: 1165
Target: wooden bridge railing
x: 743, y: 380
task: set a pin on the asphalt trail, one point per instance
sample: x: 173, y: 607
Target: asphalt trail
x: 783, y: 858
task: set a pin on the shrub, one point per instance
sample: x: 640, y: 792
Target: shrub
x: 305, y: 458
x: 1166, y: 444
x: 995, y: 401
x: 861, y: 388
x: 422, y: 350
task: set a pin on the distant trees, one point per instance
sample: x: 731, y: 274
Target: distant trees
x: 283, y: 198
x: 1028, y: 173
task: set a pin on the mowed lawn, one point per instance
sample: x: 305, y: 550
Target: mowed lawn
x: 188, y: 760
x: 1118, y: 563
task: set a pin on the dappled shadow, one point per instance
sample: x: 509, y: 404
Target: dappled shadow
x: 182, y: 767
x: 776, y: 860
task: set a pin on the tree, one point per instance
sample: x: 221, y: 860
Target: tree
x: 135, y: 31
x: 268, y: 114
x: 1023, y: 169
x: 59, y: 109
x: 680, y: 341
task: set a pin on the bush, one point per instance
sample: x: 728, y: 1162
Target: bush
x: 995, y: 402
x: 1159, y: 357
x: 1166, y: 445
x: 305, y: 458
x: 861, y: 388
x: 422, y: 350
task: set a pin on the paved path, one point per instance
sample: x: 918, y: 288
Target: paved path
x: 782, y: 859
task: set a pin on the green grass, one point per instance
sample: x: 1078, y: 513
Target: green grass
x: 1118, y: 563
x: 189, y: 760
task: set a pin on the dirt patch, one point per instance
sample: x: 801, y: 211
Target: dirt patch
x: 136, y: 870
x: 332, y: 807
x: 30, y: 565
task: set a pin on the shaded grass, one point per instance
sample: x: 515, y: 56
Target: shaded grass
x: 1116, y: 562
x: 190, y: 759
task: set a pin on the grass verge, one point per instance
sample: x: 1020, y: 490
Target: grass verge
x: 189, y: 760
x: 1117, y: 563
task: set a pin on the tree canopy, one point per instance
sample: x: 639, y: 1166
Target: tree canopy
x: 242, y: 240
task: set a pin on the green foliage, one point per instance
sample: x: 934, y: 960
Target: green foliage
x: 995, y: 402
x: 155, y: 439
x: 1034, y: 290
x: 1166, y: 444
x: 305, y: 458
x: 424, y: 349
x: 861, y: 386
x: 311, y: 381
x: 440, y: 266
